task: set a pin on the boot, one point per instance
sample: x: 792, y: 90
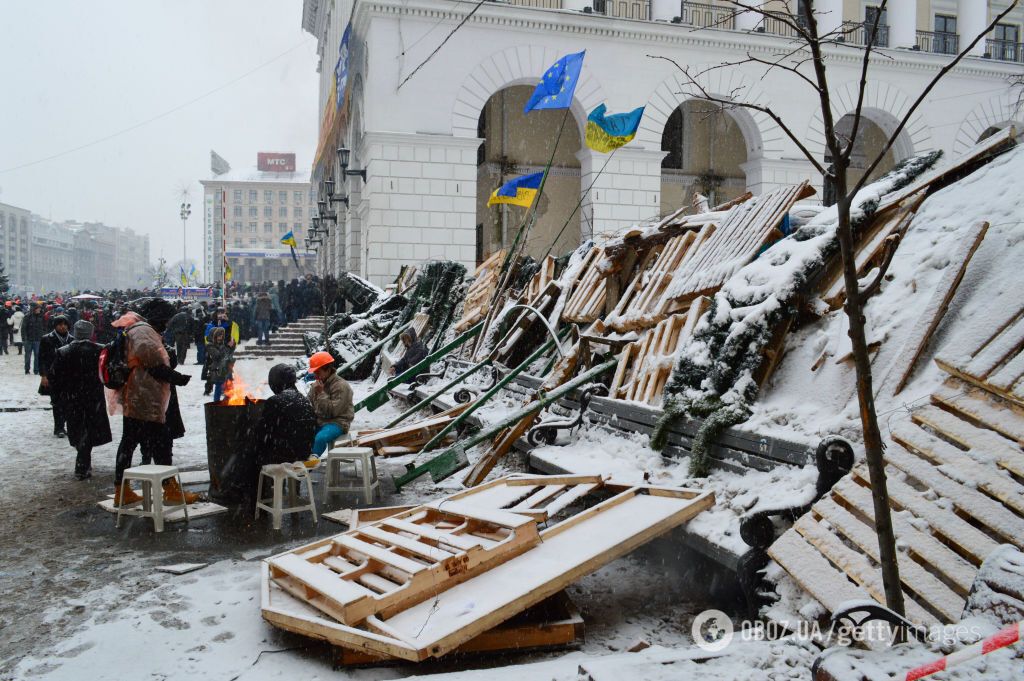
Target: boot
x: 174, y: 494
x: 130, y: 497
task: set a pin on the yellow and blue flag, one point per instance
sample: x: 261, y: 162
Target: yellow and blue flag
x: 184, y: 279
x: 227, y: 270
x: 192, y: 272
x: 289, y: 240
x: 557, y: 85
x: 607, y: 133
x: 519, y: 191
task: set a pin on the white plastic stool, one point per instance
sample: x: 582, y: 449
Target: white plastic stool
x: 365, y: 478
x: 294, y: 474
x: 152, y: 477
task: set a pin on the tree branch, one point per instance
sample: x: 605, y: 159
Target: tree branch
x: 924, y: 93
x: 862, y: 86
x: 891, y: 242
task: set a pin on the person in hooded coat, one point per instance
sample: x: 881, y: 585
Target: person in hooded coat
x: 415, y: 352
x: 75, y: 385
x: 283, y: 433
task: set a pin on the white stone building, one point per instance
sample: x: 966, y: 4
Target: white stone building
x: 248, y: 210
x: 437, y: 127
x: 15, y: 245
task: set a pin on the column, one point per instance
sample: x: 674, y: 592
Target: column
x: 576, y: 5
x: 902, y: 23
x: 627, y: 191
x: 971, y: 20
x: 419, y: 201
x: 829, y: 14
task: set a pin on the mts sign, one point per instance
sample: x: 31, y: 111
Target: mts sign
x: 279, y: 163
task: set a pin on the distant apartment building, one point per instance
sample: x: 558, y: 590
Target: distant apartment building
x: 15, y: 245
x: 246, y: 212
x: 41, y: 255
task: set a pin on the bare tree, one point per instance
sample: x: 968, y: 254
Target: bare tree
x: 805, y: 59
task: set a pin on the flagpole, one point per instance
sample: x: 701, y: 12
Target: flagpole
x: 527, y: 225
x: 583, y: 197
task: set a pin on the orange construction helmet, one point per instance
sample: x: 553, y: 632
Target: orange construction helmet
x: 320, y: 359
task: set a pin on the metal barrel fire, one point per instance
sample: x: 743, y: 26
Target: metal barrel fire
x: 229, y: 426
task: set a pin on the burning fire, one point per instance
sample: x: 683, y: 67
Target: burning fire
x: 236, y: 392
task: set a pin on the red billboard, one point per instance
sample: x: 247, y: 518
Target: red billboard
x: 274, y: 162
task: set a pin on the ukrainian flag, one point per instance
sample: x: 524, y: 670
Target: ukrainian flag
x: 227, y: 270
x: 519, y: 191
x: 607, y: 133
x: 184, y: 279
x: 289, y: 240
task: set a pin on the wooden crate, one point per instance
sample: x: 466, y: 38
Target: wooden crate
x: 586, y: 302
x: 646, y: 364
x: 480, y: 292
x: 953, y: 499
x: 450, y: 617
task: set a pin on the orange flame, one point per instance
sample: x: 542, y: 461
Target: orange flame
x: 236, y: 392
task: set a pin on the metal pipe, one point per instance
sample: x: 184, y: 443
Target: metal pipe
x: 543, y: 319
x: 430, y: 398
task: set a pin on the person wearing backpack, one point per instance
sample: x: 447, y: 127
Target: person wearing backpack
x: 146, y: 398
x: 76, y: 387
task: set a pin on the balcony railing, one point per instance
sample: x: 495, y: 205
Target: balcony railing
x: 858, y: 32
x: 703, y: 15
x: 1004, y: 50
x: 780, y: 23
x: 938, y: 42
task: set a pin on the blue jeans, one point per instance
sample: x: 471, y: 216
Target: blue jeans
x: 328, y: 433
x: 262, y: 331
x: 200, y: 352
x: 32, y: 350
x: 218, y: 391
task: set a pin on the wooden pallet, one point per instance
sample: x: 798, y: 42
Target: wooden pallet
x: 586, y: 302
x: 997, y: 365
x: 459, y: 608
x: 409, y: 437
x: 954, y: 501
x: 480, y: 292
x: 543, y: 302
x: 544, y: 276
x: 645, y: 365
x: 746, y: 229
x: 643, y: 303
x: 903, y: 365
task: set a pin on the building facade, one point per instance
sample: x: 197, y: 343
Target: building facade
x: 247, y: 212
x: 52, y: 256
x: 16, y: 244
x: 436, y: 127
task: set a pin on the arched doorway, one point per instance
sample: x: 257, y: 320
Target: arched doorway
x: 705, y: 152
x: 871, y: 139
x: 518, y: 144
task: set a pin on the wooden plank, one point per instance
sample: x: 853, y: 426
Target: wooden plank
x: 411, y: 545
x: 964, y: 538
x: 935, y: 310
x: 457, y: 541
x: 813, y: 572
x: 982, y: 408
x: 980, y: 441
x: 856, y: 566
x: 961, y: 468
x: 379, y: 554
x: 319, y: 581
x: 931, y: 592
x: 1001, y: 349
x: 956, y: 571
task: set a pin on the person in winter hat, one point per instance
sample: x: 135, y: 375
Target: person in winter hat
x: 331, y: 397
x: 76, y: 386
x: 146, y: 397
x: 33, y: 328
x: 14, y: 323
x: 415, y: 352
x: 48, y: 347
x: 218, y: 362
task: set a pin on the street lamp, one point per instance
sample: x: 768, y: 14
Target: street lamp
x: 344, y: 155
x: 186, y: 210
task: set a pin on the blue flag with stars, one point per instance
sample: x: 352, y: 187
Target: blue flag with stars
x: 557, y: 85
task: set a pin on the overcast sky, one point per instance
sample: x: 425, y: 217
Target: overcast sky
x: 75, y: 72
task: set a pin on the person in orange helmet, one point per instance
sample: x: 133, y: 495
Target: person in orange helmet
x: 331, y: 397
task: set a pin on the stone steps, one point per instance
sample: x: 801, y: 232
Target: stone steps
x: 287, y: 341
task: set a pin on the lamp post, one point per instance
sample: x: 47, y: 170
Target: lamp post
x: 186, y: 210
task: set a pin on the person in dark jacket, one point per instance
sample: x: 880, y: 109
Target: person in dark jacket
x: 33, y: 328
x: 264, y: 313
x: 283, y: 433
x: 76, y: 387
x: 415, y: 352
x: 48, y: 347
x: 179, y: 329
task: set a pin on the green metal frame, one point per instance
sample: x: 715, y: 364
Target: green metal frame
x: 382, y: 395
x: 440, y: 391
x: 372, y: 349
x: 454, y: 458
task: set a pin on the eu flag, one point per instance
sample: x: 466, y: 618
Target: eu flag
x: 557, y: 85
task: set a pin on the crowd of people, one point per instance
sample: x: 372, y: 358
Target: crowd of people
x: 74, y: 345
